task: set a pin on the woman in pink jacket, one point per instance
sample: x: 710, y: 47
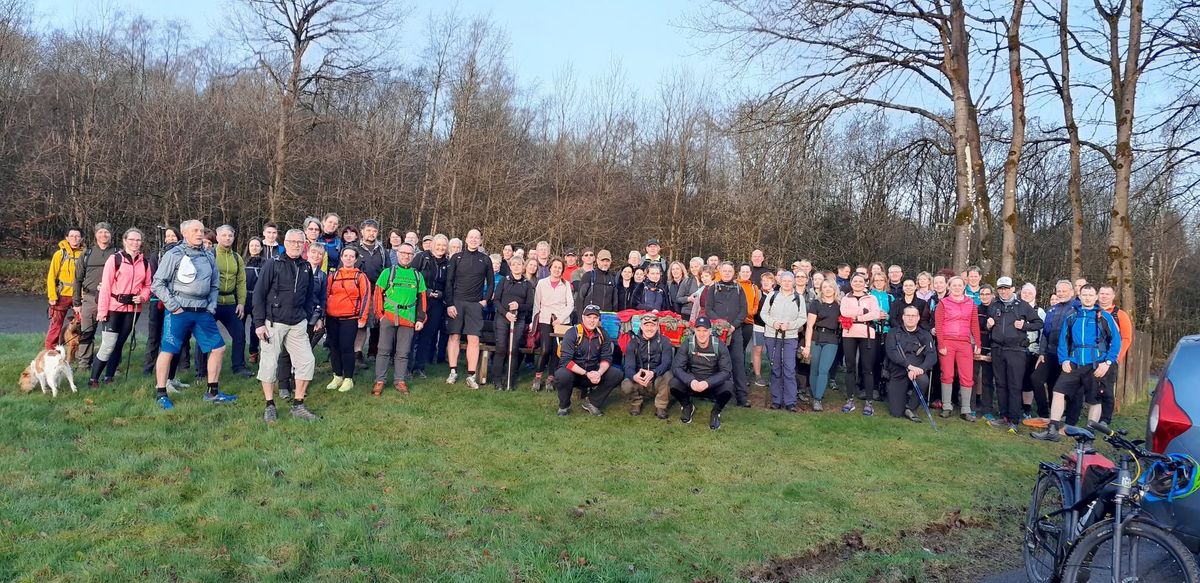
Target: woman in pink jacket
x: 124, y: 287
x: 860, y: 310
x: 957, y: 325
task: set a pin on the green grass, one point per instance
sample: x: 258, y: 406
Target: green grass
x: 456, y: 485
x: 23, y: 276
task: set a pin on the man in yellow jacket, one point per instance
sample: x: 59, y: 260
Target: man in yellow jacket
x: 60, y: 283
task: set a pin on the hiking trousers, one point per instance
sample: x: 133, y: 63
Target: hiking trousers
x: 782, y: 353
x: 900, y: 393
x: 293, y: 341
x: 58, y: 319
x: 719, y: 394
x: 394, y: 342
x: 1008, y: 366
x: 565, y: 382
x: 860, y: 366
x: 659, y: 389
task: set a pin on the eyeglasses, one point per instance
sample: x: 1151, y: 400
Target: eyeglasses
x: 293, y: 242
x: 312, y: 228
x: 404, y: 253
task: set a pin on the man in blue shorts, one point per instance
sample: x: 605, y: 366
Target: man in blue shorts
x: 187, y: 283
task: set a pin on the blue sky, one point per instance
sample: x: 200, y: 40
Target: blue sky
x: 647, y: 38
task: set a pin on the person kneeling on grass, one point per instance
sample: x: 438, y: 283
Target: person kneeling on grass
x: 910, y: 357
x: 648, y: 368
x: 400, y: 305
x: 702, y: 368
x: 284, y: 301
x: 586, y: 359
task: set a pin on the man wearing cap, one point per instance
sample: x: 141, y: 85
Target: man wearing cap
x: 648, y: 359
x: 570, y: 264
x: 1010, y: 320
x: 598, y: 286
x: 88, y: 271
x: 652, y: 256
x: 586, y: 364
x: 426, y: 242
x: 588, y: 257
x: 702, y: 369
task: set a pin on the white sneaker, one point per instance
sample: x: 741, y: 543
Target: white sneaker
x: 453, y: 378
x: 472, y: 383
x: 335, y: 383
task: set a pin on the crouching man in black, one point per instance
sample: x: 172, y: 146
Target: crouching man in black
x: 702, y: 368
x: 586, y: 364
x: 911, y: 356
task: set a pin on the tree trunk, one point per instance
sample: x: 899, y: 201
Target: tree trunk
x: 1120, y: 243
x: 957, y: 72
x: 1076, y: 178
x: 1008, y: 246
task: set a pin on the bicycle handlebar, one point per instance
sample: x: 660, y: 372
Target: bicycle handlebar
x: 1119, y: 441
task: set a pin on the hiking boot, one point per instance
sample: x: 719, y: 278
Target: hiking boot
x: 347, y: 384
x: 270, y: 415
x: 817, y: 406
x: 563, y: 412
x: 334, y: 384
x: 745, y: 404
x: 1048, y: 434
x: 990, y: 419
x: 253, y: 358
x: 791, y: 408
x: 688, y: 410
x: 302, y: 413
x: 452, y: 377
x: 165, y: 402
x: 635, y: 409
x: 714, y: 420
x: 993, y: 422
x: 936, y: 404
x: 660, y: 413
x: 537, y: 384
x: 805, y: 397
x: 219, y: 397
x: 285, y: 394
x: 174, y: 386
x: 377, y: 389
x: 472, y: 383
x: 849, y: 406
x: 776, y: 406
x: 946, y: 414
x: 108, y: 381
x: 93, y: 384
x: 868, y: 410
x: 420, y: 373
x: 244, y: 372
x: 908, y: 414
x: 758, y: 381
x: 498, y: 385
x: 1012, y: 428
x: 402, y: 387
x: 968, y: 417
x: 587, y: 405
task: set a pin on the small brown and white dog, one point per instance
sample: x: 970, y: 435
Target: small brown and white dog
x: 46, y: 369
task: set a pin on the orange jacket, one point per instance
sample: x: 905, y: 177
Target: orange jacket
x: 753, y: 299
x: 1125, y: 326
x: 348, y: 295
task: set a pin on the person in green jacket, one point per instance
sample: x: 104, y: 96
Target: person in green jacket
x: 400, y: 308
x: 231, y: 296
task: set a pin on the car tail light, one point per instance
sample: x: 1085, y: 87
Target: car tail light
x: 1167, y: 419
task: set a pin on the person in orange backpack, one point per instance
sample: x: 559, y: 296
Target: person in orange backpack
x: 347, y: 303
x: 399, y: 304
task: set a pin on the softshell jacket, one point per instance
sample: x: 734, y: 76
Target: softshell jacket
x: 654, y: 354
x: 400, y: 296
x: 1090, y: 335
x: 123, y: 274
x: 287, y: 292
x: 348, y: 295
x: 599, y: 288
x: 60, y: 279
x: 863, y: 310
x: 1052, y: 327
x: 521, y: 291
x: 587, y: 349
x: 789, y: 308
x: 233, y: 277
x: 186, y: 278
x: 724, y: 301
x: 1005, y: 315
x: 655, y: 296
x: 1125, y: 325
x: 957, y: 320
x: 88, y: 270
x: 694, y: 363
x: 553, y: 300
x: 884, y: 299
x: 914, y: 348
x: 754, y: 298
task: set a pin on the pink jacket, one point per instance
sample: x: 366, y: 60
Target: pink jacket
x: 122, y: 275
x: 853, y: 307
x: 957, y: 320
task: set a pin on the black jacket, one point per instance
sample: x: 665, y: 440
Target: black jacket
x: 906, y: 348
x: 655, y: 296
x: 433, y: 269
x: 286, y: 292
x: 725, y: 301
x: 512, y: 290
x: 89, y: 268
x: 655, y: 354
x: 469, y: 276
x: 692, y: 363
x: 628, y: 298
x: 587, y: 351
x: 897, y: 311
x: 1005, y: 335
x: 372, y: 260
x: 596, y: 287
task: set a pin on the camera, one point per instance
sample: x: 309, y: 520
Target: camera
x: 126, y: 299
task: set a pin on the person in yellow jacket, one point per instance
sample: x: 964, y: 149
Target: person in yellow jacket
x: 60, y: 284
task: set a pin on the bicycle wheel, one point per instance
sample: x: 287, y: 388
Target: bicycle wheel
x: 1148, y: 554
x: 1045, y: 538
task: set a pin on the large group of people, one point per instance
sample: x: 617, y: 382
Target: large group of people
x: 945, y: 339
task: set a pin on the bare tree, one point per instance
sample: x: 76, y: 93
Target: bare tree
x: 1008, y: 247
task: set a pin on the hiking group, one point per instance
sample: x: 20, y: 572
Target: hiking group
x: 947, y: 339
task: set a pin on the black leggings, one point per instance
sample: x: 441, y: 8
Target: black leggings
x: 549, y: 349
x: 339, y: 338
x: 860, y: 366
x: 122, y: 324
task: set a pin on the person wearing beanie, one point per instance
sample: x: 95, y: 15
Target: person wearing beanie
x: 89, y: 269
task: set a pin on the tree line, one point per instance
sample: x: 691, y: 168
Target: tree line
x: 928, y: 133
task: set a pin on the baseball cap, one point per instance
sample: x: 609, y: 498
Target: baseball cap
x: 702, y: 322
x: 591, y: 310
x: 603, y: 254
x: 569, y: 253
x: 1004, y: 282
x: 426, y: 238
x: 653, y: 242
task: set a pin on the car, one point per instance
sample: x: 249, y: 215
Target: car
x: 1171, y: 428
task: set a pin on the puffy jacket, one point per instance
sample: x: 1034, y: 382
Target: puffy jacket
x: 60, y: 279
x: 655, y: 296
x: 597, y: 287
x: 711, y: 363
x: 123, y: 275
x: 89, y: 268
x: 724, y: 301
x: 286, y: 292
x: 232, y: 284
x: 586, y: 350
x: 957, y: 320
x: 864, y: 310
x: 186, y: 278
x: 553, y: 300
x: 401, y: 296
x: 1089, y: 335
x: 628, y: 297
x: 884, y: 299
x: 791, y: 309
x: 906, y: 349
x: 754, y: 298
x: 1005, y: 315
x: 654, y: 354
x: 515, y: 290
x: 348, y: 295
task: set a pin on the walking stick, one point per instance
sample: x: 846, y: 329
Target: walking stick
x: 508, y: 363
x: 132, y: 340
x: 925, y: 405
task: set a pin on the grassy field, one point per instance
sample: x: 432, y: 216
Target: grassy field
x: 456, y: 485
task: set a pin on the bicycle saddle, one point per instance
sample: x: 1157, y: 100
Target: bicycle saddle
x: 1079, y: 433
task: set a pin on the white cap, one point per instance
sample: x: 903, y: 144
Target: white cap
x: 1004, y: 282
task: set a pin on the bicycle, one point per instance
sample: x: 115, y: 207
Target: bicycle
x: 1144, y: 551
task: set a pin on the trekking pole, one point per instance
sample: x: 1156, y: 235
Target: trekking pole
x: 924, y: 405
x: 132, y: 339
x: 508, y: 363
